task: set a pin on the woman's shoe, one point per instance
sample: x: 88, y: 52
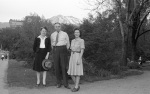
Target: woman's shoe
x: 37, y: 85
x: 58, y: 85
x: 78, y: 88
x: 75, y: 89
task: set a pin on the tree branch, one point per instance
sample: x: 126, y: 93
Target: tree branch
x: 127, y: 15
x: 142, y: 33
x: 135, y: 6
x: 98, y: 4
x: 142, y: 21
x: 146, y: 1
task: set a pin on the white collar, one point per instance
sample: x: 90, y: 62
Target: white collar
x: 78, y: 38
x: 41, y: 37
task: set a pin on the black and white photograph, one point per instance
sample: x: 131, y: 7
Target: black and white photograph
x: 74, y: 46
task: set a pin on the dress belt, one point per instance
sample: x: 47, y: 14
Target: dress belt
x: 76, y: 52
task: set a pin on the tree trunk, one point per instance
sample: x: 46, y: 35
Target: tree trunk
x: 132, y: 29
x: 123, y: 60
x: 133, y: 51
x: 133, y: 44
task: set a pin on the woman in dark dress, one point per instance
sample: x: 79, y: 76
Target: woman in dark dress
x: 41, y: 49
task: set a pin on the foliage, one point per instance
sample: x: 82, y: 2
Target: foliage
x: 133, y: 65
x: 103, y: 41
x: 19, y: 41
x: 69, y: 29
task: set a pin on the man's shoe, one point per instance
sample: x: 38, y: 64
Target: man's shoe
x: 37, y: 85
x: 58, y: 85
x: 44, y: 85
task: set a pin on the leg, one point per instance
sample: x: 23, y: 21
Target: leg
x: 63, y: 61
x: 57, y: 65
x: 77, y: 87
x: 38, y: 77
x: 44, y: 78
x: 77, y: 81
x: 73, y: 78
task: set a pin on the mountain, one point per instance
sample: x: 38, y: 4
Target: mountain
x: 4, y: 24
x: 65, y: 20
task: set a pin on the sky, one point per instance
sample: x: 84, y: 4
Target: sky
x: 18, y: 9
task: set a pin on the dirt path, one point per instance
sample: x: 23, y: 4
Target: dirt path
x: 3, y: 68
x: 139, y: 84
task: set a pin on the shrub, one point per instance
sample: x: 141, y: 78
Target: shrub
x: 133, y: 65
x: 103, y: 73
x: 91, y: 70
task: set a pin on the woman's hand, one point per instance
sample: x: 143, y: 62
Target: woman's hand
x: 47, y: 55
x: 79, y: 61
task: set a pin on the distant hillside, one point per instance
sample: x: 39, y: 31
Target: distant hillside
x: 54, y: 19
x: 4, y: 24
x: 65, y: 20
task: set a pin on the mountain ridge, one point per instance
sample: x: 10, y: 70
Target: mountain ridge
x: 65, y: 20
x: 59, y: 18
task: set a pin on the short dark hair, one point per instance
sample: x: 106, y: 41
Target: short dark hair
x: 44, y: 28
x: 78, y: 30
x: 57, y: 23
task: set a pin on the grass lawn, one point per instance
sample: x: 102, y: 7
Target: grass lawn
x: 20, y: 76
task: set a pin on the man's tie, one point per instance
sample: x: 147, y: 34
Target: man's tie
x: 57, y: 38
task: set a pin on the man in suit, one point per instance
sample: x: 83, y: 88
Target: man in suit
x: 60, y: 44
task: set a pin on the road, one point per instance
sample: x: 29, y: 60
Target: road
x: 139, y: 84
x: 3, y: 76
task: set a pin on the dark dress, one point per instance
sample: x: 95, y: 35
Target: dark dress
x: 40, y: 53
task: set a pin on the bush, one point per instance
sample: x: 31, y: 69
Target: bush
x: 115, y: 68
x: 103, y: 73
x: 133, y: 65
x: 91, y: 70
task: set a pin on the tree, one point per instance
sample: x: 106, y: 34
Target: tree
x: 69, y: 29
x: 19, y: 41
x: 132, y: 15
x: 9, y: 37
x: 102, y: 41
x: 138, y: 10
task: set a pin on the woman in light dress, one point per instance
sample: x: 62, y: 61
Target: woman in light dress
x: 75, y: 62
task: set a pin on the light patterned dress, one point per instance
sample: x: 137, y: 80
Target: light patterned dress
x: 76, y: 46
